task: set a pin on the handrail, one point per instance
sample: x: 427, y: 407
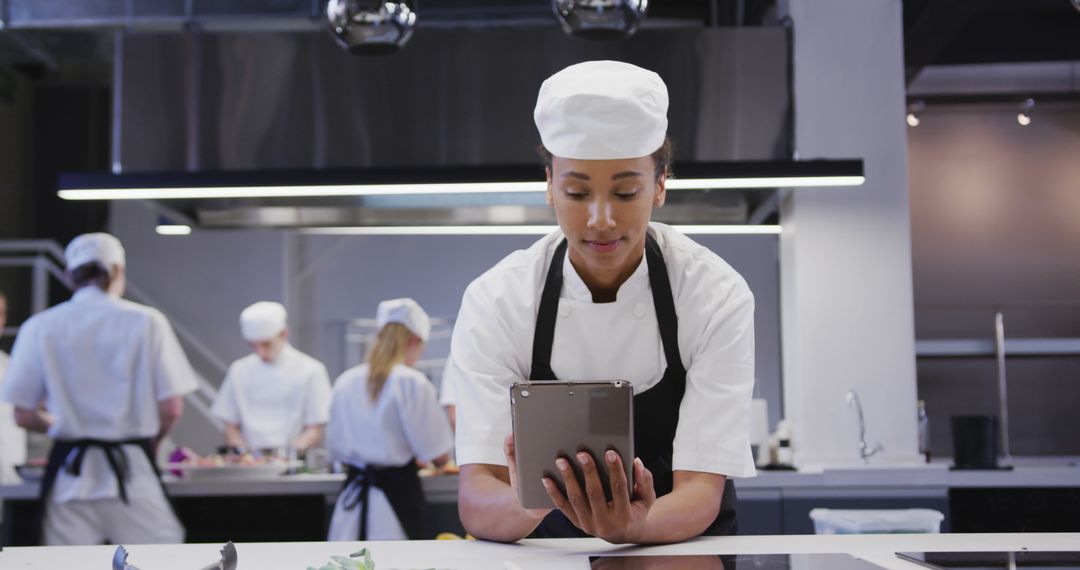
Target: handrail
x: 182, y: 331
x: 33, y: 246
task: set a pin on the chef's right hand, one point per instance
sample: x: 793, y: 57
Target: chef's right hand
x: 511, y: 465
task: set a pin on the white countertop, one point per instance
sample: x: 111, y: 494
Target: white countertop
x: 526, y: 555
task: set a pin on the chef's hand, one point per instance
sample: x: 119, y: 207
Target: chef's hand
x: 511, y: 465
x: 620, y: 520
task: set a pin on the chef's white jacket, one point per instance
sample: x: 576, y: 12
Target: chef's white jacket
x: 491, y: 348
x: 404, y: 422
x: 274, y: 401
x: 100, y: 365
x: 12, y: 437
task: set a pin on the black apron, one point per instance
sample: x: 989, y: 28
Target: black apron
x: 59, y: 459
x: 401, y: 485
x: 656, y: 410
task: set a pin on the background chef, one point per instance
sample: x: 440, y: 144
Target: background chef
x: 12, y: 437
x: 384, y: 417
x: 609, y: 296
x: 276, y: 397
x: 112, y: 377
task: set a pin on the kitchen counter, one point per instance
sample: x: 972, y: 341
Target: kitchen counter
x: 570, y: 554
x: 439, y: 489
x: 443, y: 488
x: 1039, y: 497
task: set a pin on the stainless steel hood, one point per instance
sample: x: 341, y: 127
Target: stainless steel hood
x: 192, y: 102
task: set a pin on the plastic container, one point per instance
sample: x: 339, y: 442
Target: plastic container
x: 876, y: 521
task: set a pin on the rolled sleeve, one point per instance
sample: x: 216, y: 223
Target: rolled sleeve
x: 426, y: 426
x: 318, y: 409
x: 713, y: 433
x: 486, y: 351
x: 24, y: 381
x: 225, y: 405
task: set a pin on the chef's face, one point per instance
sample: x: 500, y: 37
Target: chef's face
x: 603, y: 208
x: 269, y: 349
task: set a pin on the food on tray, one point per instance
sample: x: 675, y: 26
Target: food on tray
x: 187, y: 456
x: 428, y: 470
x: 184, y: 461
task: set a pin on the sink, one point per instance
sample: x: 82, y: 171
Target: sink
x: 885, y: 474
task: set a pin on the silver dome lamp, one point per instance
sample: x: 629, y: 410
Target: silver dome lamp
x: 600, y: 19
x: 370, y: 27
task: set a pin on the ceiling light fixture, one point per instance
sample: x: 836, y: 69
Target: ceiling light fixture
x: 521, y: 230
x: 600, y: 19
x: 173, y: 230
x: 446, y: 181
x: 1023, y: 118
x: 370, y: 27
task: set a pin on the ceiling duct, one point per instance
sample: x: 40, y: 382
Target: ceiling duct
x: 600, y: 19
x: 370, y: 27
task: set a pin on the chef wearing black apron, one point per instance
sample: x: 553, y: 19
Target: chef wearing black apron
x: 112, y: 376
x: 384, y: 415
x: 609, y: 296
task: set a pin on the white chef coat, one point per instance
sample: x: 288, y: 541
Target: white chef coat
x: 12, y: 437
x: 404, y: 422
x: 274, y: 401
x: 447, y: 392
x: 492, y: 348
x: 101, y: 365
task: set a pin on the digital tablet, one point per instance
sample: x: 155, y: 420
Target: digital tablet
x: 558, y: 419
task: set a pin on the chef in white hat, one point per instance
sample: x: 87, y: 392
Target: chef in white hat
x: 384, y: 418
x: 12, y: 437
x: 610, y: 295
x: 277, y: 397
x: 105, y: 378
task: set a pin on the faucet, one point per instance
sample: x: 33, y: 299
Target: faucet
x: 865, y: 451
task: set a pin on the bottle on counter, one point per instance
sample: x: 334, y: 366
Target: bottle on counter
x: 785, y: 455
x: 924, y: 430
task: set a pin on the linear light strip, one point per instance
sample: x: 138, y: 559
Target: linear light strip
x: 173, y: 230
x: 312, y: 191
x: 519, y: 230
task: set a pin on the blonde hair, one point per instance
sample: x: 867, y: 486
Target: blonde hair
x: 388, y: 351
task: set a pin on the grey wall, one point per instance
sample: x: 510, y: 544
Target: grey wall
x: 203, y: 281
x: 995, y: 213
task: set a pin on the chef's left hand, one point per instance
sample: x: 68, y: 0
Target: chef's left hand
x: 621, y: 520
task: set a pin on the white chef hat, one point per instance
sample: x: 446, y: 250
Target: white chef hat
x: 407, y: 312
x: 602, y: 110
x: 97, y: 247
x: 262, y: 321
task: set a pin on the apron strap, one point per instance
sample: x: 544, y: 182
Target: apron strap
x: 544, y: 335
x: 664, y: 302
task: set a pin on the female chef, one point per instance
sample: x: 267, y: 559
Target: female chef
x: 277, y: 396
x: 609, y: 296
x: 384, y: 416
x: 112, y: 377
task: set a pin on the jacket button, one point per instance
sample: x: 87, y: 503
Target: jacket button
x: 639, y: 310
x: 564, y: 310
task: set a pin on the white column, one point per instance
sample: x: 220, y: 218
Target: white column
x: 845, y: 253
